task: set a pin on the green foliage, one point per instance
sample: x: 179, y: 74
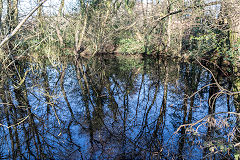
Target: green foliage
x: 219, y: 145
x: 129, y: 4
x: 129, y: 64
x: 130, y: 46
x: 233, y: 54
x: 237, y: 156
x: 203, y: 42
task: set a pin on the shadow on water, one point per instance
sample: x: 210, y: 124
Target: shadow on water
x: 113, y: 108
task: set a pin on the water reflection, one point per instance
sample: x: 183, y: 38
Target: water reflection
x: 111, y: 108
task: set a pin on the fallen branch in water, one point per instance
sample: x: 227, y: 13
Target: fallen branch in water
x: 204, y: 118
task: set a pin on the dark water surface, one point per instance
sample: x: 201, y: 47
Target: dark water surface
x: 109, y: 108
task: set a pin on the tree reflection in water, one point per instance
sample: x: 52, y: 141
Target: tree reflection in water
x: 112, y: 109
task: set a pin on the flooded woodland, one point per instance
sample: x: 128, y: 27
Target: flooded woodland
x: 120, y: 79
x: 117, y: 108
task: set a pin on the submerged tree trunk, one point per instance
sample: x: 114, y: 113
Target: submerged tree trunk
x: 236, y: 90
x: 158, y: 142
x: 3, y: 95
x: 21, y: 93
x: 213, y: 90
x: 46, y: 88
x: 65, y: 94
x: 236, y: 99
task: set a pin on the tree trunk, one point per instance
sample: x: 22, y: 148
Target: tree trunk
x: 234, y: 18
x: 169, y: 26
x: 12, y: 14
x: 229, y: 17
x: 60, y: 14
x: 17, y: 28
x: 1, y: 10
x: 39, y: 14
x: 60, y: 11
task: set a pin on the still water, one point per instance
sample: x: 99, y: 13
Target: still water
x: 113, y: 108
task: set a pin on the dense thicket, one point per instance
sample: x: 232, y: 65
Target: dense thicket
x: 174, y: 27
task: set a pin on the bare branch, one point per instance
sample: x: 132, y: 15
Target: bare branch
x: 182, y: 10
x: 8, y: 37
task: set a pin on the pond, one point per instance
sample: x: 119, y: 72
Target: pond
x: 116, y: 108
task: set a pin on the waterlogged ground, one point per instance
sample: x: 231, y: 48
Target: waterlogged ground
x: 111, y: 108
